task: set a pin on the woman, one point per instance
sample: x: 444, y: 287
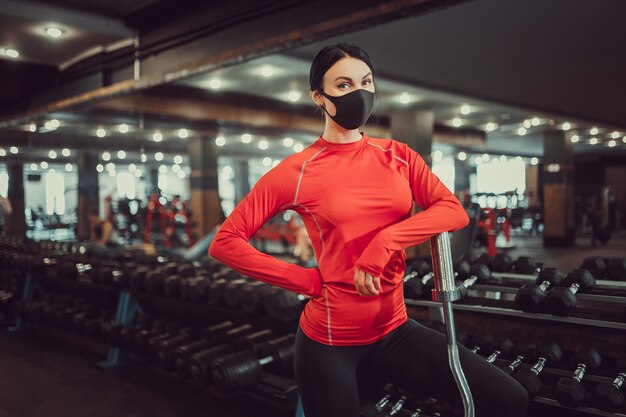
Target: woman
x: 355, y: 194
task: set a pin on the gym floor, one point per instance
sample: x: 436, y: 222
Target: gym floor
x: 41, y: 376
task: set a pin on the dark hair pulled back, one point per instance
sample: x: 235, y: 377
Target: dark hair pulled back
x: 327, y: 57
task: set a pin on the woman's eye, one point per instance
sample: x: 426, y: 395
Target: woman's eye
x: 367, y: 82
x: 343, y: 85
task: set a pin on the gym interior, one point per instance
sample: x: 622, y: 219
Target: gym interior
x: 130, y: 130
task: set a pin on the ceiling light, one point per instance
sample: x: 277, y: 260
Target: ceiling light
x: 267, y: 71
x: 99, y: 168
x: 275, y: 162
x: 478, y: 160
x: 144, y: 157
x: 132, y: 168
x: 121, y: 154
x: 521, y: 131
x: 32, y: 127
x: 123, y: 128
x: 267, y: 161
x: 52, y: 124
x: 52, y: 154
x: 465, y: 109
x: 13, y: 150
x: 163, y: 169
x: 110, y: 166
x: 527, y: 124
x: 535, y: 121
x: 137, y: 173
x: 615, y: 135
x: 405, y: 98
x: 175, y: 168
x: 612, y: 143
x: 294, y: 95
x: 11, y: 53
x: 534, y: 161
x: 485, y: 157
x: 491, y: 127
x: 157, y: 136
x: 112, y: 173
x: 181, y: 174
x: 456, y: 122
x: 437, y: 155
x: 44, y: 165
x: 69, y: 167
x: 288, y: 142
x: 263, y: 144
x: 220, y: 141
x: 158, y: 156
x: 495, y: 160
x: 183, y: 133
x: 101, y: 133
x: 574, y: 138
x: 593, y: 141
x: 518, y: 158
x: 106, y: 156
x: 3, y: 152
x: 566, y: 126
x: 65, y: 152
x: 215, y: 83
x: 624, y: 139
x: 54, y: 32
x: 33, y: 167
x: 462, y: 156
x: 246, y: 138
x: 503, y: 158
x: 298, y: 147
x: 594, y: 131
x: 178, y: 159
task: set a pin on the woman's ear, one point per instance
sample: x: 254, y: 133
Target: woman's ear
x: 317, y: 98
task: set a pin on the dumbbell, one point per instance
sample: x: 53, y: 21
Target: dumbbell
x: 530, y: 297
x: 232, y: 291
x: 372, y: 410
x: 569, y: 390
x: 478, y: 273
x: 396, y: 407
x: 609, y: 397
x: 595, y: 265
x: 417, y: 285
x: 242, y: 369
x: 561, y: 301
x: 195, y: 289
x: 529, y: 378
x: 282, y: 305
x: 142, y: 338
x: 502, y: 262
x: 526, y: 265
x: 251, y: 297
x: 616, y: 269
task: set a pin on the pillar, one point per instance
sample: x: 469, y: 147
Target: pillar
x: 88, y: 192
x: 242, y: 180
x: 558, y: 189
x: 205, y: 200
x: 415, y: 128
x: 15, y: 223
x: 152, y: 181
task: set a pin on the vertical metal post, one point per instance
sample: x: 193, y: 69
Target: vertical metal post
x: 446, y: 292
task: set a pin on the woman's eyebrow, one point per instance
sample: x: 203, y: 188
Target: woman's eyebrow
x: 350, y: 79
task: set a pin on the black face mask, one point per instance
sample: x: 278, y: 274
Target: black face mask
x: 353, y: 109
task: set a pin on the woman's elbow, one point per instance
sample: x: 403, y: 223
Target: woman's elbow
x: 214, y: 249
x: 463, y: 218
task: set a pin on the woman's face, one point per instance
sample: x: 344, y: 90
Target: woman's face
x: 346, y: 75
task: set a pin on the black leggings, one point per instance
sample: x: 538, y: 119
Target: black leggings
x: 412, y: 356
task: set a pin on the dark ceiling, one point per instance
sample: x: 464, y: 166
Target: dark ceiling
x: 561, y: 56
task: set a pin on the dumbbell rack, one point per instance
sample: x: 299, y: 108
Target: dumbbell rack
x: 568, y: 331
x: 129, y: 306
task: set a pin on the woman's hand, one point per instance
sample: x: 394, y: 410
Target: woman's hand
x: 366, y: 284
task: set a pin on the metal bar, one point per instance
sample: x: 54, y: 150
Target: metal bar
x: 446, y: 291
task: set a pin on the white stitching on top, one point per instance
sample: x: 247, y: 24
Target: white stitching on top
x: 330, y: 338
x: 295, y: 197
x: 389, y: 150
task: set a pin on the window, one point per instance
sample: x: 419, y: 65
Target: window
x: 55, y: 193
x: 499, y: 177
x: 444, y: 170
x: 126, y: 185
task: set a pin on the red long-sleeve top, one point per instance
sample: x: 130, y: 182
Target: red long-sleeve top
x: 355, y: 200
